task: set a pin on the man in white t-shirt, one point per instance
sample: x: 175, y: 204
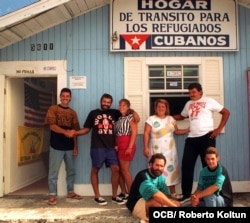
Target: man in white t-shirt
x: 202, y: 133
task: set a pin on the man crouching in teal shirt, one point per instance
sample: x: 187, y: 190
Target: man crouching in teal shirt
x: 149, y: 189
x: 214, y: 185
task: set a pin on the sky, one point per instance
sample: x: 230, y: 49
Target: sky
x: 8, y: 6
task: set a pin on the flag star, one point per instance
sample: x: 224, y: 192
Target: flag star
x: 135, y: 40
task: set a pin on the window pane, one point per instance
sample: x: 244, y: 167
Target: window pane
x: 156, y: 71
x: 191, y: 70
x: 188, y: 81
x: 156, y: 84
x: 173, y: 68
x: 174, y: 83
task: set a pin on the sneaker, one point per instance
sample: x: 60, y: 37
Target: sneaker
x: 101, y: 201
x: 184, y: 199
x: 123, y: 196
x: 118, y: 200
x: 176, y: 196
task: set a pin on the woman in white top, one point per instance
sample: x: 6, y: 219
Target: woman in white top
x: 159, y: 138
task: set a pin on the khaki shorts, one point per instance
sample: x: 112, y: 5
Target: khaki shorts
x: 140, y: 209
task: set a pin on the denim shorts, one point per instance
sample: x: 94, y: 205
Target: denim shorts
x: 103, y: 155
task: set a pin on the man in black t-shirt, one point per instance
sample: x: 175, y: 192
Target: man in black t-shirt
x: 101, y: 121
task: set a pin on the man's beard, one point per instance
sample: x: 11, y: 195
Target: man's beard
x: 105, y: 107
x: 156, y: 172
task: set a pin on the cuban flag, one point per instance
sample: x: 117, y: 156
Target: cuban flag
x: 135, y: 41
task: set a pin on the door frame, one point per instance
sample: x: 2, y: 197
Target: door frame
x: 23, y: 69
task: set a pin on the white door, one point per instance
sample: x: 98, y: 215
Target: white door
x: 11, y: 73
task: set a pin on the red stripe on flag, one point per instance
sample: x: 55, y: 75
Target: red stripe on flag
x: 37, y: 103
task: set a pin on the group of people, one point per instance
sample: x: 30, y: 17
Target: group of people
x: 151, y: 188
x: 113, y: 143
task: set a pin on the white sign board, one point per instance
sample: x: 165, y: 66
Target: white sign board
x: 172, y: 25
x: 78, y: 82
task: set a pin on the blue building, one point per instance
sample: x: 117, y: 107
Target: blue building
x: 95, y: 47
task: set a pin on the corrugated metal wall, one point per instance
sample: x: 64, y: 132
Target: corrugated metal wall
x: 84, y: 43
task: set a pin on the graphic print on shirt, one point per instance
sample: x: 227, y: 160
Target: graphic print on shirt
x: 63, y: 118
x: 160, y: 132
x: 105, y: 124
x: 196, y: 108
x: 162, y: 141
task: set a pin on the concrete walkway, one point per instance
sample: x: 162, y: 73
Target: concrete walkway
x: 34, y: 209
x: 23, y: 209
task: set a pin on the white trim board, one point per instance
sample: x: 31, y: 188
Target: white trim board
x: 105, y: 189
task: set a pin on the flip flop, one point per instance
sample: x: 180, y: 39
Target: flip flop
x: 74, y: 196
x: 52, y: 200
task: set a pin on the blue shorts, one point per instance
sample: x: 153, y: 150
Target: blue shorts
x: 103, y: 155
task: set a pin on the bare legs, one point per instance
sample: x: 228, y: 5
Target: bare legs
x: 173, y: 192
x: 172, y: 189
x: 126, y: 177
x: 95, y: 181
x: 122, y: 185
x: 114, y: 180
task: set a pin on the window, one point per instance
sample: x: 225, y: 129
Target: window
x: 172, y: 78
x: 148, y: 78
x: 170, y: 82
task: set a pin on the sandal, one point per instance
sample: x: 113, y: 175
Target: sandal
x: 73, y: 195
x: 176, y: 196
x: 52, y: 200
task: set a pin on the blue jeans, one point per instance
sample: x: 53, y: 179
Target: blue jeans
x: 212, y: 201
x: 55, y: 159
